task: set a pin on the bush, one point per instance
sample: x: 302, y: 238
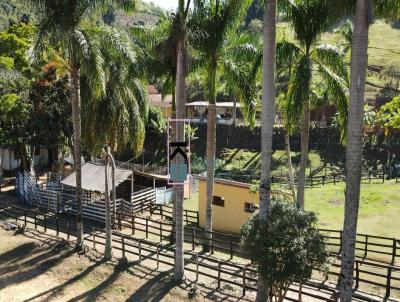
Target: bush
x: 287, y: 247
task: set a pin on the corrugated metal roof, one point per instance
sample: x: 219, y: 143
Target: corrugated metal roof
x: 220, y: 104
x: 93, y: 177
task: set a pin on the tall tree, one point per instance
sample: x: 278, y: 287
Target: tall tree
x: 309, y: 19
x: 179, y: 31
x: 62, y: 23
x: 210, y: 24
x: 267, y: 124
x: 359, y: 63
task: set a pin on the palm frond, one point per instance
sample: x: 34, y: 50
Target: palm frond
x: 298, y: 93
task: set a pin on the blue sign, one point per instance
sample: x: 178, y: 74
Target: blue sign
x: 178, y: 172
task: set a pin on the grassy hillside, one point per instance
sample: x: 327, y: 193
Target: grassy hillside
x: 383, y: 52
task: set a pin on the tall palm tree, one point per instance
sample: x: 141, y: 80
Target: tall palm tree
x: 267, y: 123
x: 309, y: 19
x: 210, y: 24
x: 359, y: 63
x: 179, y: 33
x: 62, y: 23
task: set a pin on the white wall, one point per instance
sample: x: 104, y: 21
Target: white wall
x: 10, y: 163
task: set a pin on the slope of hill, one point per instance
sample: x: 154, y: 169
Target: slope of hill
x: 383, y: 56
x: 16, y: 10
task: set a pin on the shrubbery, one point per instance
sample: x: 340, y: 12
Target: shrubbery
x: 287, y: 248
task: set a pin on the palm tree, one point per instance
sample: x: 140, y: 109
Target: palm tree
x: 210, y: 24
x: 309, y: 19
x: 62, y: 23
x: 267, y: 122
x: 359, y: 62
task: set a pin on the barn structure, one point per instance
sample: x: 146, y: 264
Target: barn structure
x: 59, y: 195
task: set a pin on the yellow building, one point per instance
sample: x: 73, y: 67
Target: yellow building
x: 233, y: 204
x: 156, y: 100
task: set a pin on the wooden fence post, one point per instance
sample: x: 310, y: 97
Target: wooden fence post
x: 123, y: 246
x: 119, y: 222
x: 300, y: 292
x: 231, y: 247
x: 357, y: 276
x: 388, y: 280
x: 161, y: 212
x: 57, y: 227
x: 25, y: 217
x: 394, y: 251
x: 34, y: 219
x: 68, y: 229
x: 48, y: 200
x: 140, y: 249
x: 244, y: 281
x: 197, y: 268
x: 147, y: 228
x: 193, y: 243
x: 45, y: 223
x: 219, y: 274
x: 133, y: 225
x: 16, y: 215
x: 365, y: 246
x: 212, y: 242
x: 161, y: 230
x: 158, y: 256
x: 94, y: 239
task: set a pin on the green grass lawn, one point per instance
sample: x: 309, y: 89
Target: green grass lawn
x: 379, y: 207
x: 248, y: 162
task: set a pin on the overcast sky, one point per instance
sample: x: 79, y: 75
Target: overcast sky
x: 167, y: 4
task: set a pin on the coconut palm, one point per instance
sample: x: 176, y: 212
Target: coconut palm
x: 312, y: 65
x: 62, y: 24
x: 359, y: 62
x: 267, y: 122
x: 210, y: 24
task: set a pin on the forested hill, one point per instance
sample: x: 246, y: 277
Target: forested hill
x: 16, y: 10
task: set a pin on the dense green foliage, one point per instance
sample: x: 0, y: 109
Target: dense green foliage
x: 287, y: 247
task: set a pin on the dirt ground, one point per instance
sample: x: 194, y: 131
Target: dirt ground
x: 48, y: 270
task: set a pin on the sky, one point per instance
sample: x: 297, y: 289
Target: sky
x: 167, y: 4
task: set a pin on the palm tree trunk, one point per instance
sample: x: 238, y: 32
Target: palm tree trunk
x: 234, y: 100
x: 114, y: 188
x: 108, y: 245
x: 180, y: 114
x: 305, y: 130
x: 76, y: 121
x: 267, y: 125
x: 211, y: 148
x: 290, y: 166
x: 359, y: 61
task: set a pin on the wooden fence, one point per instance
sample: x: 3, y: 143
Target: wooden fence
x: 377, y: 248
x: 244, y: 276
x: 166, y: 213
x: 311, y: 181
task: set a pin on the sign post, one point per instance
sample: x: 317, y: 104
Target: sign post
x: 178, y: 153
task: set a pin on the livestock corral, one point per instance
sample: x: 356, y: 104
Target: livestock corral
x: 143, y: 230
